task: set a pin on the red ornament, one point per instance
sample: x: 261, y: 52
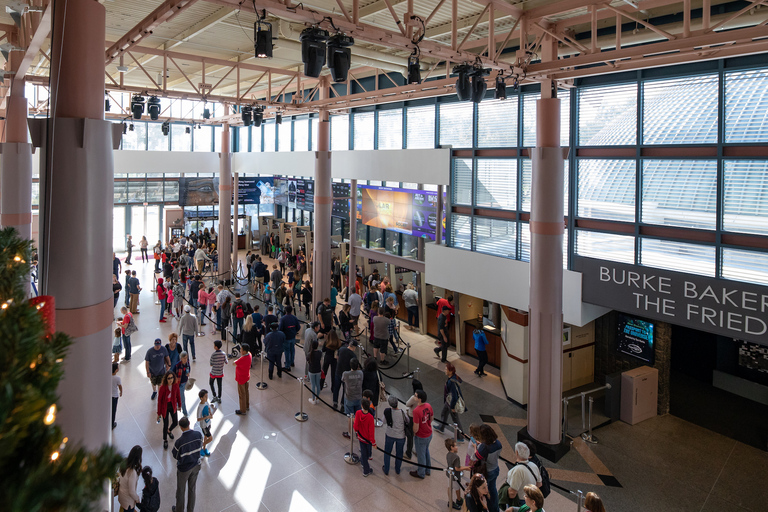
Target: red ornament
x: 46, y: 306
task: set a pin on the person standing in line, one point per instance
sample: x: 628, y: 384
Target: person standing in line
x: 478, y: 497
x: 343, y: 364
x: 117, y: 267
x: 353, y: 389
x: 117, y: 391
x: 533, y: 500
x: 366, y: 434
x: 380, y: 335
x: 221, y: 297
x: 422, y: 432
x: 174, y: 349
x: 411, y: 300
x: 169, y: 297
x: 226, y: 316
x: 306, y: 297
x: 178, y: 297
x: 188, y: 329
x: 129, y: 247
x: 127, y: 496
x: 488, y: 451
x: 314, y: 369
x: 273, y: 346
x: 345, y: 324
x: 150, y: 495
x: 156, y: 253
x: 186, y: 451
x: 238, y: 315
x: 524, y: 472
x: 290, y: 326
x: 355, y: 302
x: 127, y: 317
x: 143, y: 246
x: 200, y: 259
x: 116, y: 287
x: 592, y: 503
x: 157, y: 363
x: 331, y: 345
x: 243, y: 376
x: 452, y: 460
x: 127, y: 288
x: 134, y: 288
x: 204, y: 414
x: 181, y: 370
x: 168, y: 404
x: 217, y: 362
x: 251, y: 336
x: 481, y: 346
x: 442, y: 335
x: 451, y: 395
x: 446, y: 302
x: 397, y: 421
x: 162, y: 296
x: 411, y: 404
x: 117, y: 345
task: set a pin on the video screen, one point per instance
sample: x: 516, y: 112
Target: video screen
x: 198, y: 191
x: 636, y: 338
x: 387, y: 209
x: 255, y: 190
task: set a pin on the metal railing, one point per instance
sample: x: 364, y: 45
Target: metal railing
x: 586, y: 433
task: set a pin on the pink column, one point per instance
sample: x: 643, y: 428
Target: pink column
x: 235, y: 220
x: 352, y: 272
x: 76, y: 217
x: 321, y: 270
x: 225, y: 207
x: 546, y: 292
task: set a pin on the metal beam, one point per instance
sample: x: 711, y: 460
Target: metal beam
x: 36, y: 40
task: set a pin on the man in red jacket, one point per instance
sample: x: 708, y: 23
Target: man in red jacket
x: 242, y: 376
x: 365, y: 428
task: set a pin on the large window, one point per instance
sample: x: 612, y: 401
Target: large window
x: 680, y: 193
x: 181, y: 137
x: 363, y: 130
x: 746, y: 106
x: 256, y: 139
x: 461, y: 231
x: 680, y: 111
x: 156, y: 141
x: 339, y: 132
x: 745, y: 202
x: 390, y: 132
x: 495, y: 236
x: 748, y: 266
x: 420, y: 127
x: 456, y: 121
x: 605, y: 246
x: 497, y: 123
x: 270, y: 133
x: 496, y: 185
x: 203, y: 138
x: 135, y: 138
x: 608, y: 115
x: 284, y: 135
x: 529, y: 117
x: 462, y: 181
x: 301, y: 134
x: 679, y: 256
x: 606, y: 189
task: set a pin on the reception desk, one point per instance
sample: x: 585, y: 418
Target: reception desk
x: 493, y: 336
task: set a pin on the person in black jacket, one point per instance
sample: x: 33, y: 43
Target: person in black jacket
x: 371, y: 379
x: 273, y: 346
x: 346, y: 355
x: 150, y: 496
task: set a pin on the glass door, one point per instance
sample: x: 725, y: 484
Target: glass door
x: 152, y: 228
x: 118, y: 228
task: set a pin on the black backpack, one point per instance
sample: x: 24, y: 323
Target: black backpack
x: 545, y: 488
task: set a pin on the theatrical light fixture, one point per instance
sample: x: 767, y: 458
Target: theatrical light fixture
x: 153, y: 107
x: 262, y: 39
x: 339, y: 56
x: 501, y: 88
x: 107, y: 104
x: 206, y: 113
x: 130, y: 127
x: 247, y: 113
x: 313, y: 50
x: 463, y: 87
x: 187, y: 130
x: 166, y: 127
x: 478, y: 86
x: 278, y: 118
x: 258, y: 117
x: 414, y: 70
x: 125, y: 128
x: 137, y: 106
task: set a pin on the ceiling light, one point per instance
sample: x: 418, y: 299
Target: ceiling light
x: 313, y: 50
x: 187, y: 130
x: 258, y: 117
x: 206, y: 113
x: 130, y: 127
x: 463, y: 87
x: 137, y: 106
x: 478, y: 87
x: 166, y: 127
x: 262, y: 39
x: 122, y: 69
x: 279, y: 118
x: 107, y: 105
x: 153, y: 107
x: 125, y: 128
x: 339, y: 56
x: 501, y: 88
x: 247, y: 113
x: 414, y: 70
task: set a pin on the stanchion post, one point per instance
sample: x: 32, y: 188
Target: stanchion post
x: 565, y: 419
x: 301, y: 415
x: 449, y: 472
x: 587, y: 436
x: 407, y: 373
x: 351, y: 457
x: 583, y: 404
x: 417, y: 373
x: 455, y: 432
x: 579, y: 500
x: 262, y: 384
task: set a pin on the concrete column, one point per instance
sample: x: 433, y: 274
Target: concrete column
x: 235, y: 229
x: 352, y: 271
x: 225, y: 207
x: 76, y: 221
x: 546, y: 292
x: 321, y: 270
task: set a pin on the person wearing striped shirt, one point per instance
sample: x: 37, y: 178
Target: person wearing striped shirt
x: 218, y: 360
x: 186, y: 451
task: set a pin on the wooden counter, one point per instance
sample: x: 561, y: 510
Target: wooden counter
x: 494, y: 347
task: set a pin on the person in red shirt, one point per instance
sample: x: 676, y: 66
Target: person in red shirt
x: 168, y: 404
x: 448, y: 303
x: 366, y: 434
x: 126, y: 338
x: 161, y: 296
x: 242, y: 376
x: 422, y: 433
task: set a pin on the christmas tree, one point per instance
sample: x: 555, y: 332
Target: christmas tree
x: 40, y: 471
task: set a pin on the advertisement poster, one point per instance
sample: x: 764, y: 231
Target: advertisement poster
x: 413, y: 212
x: 198, y: 191
x: 636, y: 338
x: 255, y: 190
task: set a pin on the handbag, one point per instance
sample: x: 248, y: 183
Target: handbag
x: 190, y: 383
x: 131, y: 327
x: 461, y: 407
x: 382, y: 392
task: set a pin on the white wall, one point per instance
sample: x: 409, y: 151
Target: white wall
x: 132, y: 162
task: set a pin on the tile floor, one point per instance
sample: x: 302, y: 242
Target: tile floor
x: 268, y: 461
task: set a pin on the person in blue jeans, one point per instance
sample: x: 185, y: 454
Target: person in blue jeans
x: 290, y: 326
x: 396, y: 420
x: 488, y: 451
x: 238, y: 315
x: 422, y: 434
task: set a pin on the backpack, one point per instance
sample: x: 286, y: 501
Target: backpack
x: 131, y: 327
x: 545, y: 488
x: 239, y: 311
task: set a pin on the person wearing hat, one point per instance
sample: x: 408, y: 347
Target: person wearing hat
x: 273, y: 346
x: 396, y: 420
x: 156, y: 362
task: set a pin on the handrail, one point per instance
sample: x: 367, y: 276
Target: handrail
x: 583, y: 396
x: 585, y: 393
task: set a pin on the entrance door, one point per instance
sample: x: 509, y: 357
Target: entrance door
x: 118, y: 228
x: 145, y: 221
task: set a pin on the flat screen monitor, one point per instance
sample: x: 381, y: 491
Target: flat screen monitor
x: 635, y: 338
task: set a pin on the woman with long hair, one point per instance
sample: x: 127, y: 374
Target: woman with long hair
x: 129, y: 478
x: 478, y: 497
x: 143, y: 246
x: 592, y: 503
x: 168, y: 404
x: 330, y: 347
x: 345, y: 324
x: 252, y: 335
x: 487, y: 453
x: 226, y: 314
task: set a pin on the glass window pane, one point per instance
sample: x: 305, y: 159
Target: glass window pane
x: 203, y: 138
x: 497, y: 123
x: 495, y: 236
x: 606, y: 189
x: 315, y: 123
x: 340, y: 132
x: 746, y: 106
x: 256, y: 139
x: 461, y: 181
x: 745, y: 203
x: 157, y: 141
x: 180, y: 139
x: 135, y: 139
x: 410, y: 246
x: 242, y: 138
x: 605, y: 246
x: 375, y: 237
x: 680, y: 193
x: 363, y: 130
x: 456, y: 121
x: 269, y: 136
x: 496, y: 185
x: 679, y: 256
x: 137, y: 191
x: 217, y: 130
x: 529, y: 117
x: 35, y: 194
x: 680, y: 111
x: 608, y: 115
x: 301, y: 134
x: 360, y: 232
x: 420, y: 127
x: 154, y: 191
x: 171, y: 190
x: 461, y: 233
x: 747, y: 266
x: 392, y: 242
x: 390, y: 129
x: 525, y: 242
x: 284, y: 136
x: 121, y: 192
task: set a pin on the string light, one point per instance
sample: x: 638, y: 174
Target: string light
x: 54, y: 456
x: 50, y: 415
x: 17, y: 258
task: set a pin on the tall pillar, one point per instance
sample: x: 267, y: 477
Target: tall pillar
x: 321, y: 270
x: 76, y: 217
x: 235, y: 207
x: 546, y: 291
x: 352, y: 270
x: 225, y: 207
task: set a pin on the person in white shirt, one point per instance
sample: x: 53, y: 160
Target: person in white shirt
x: 523, y: 473
x: 204, y: 414
x: 355, y: 301
x: 200, y: 258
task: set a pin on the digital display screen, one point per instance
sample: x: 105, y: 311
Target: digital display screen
x: 413, y: 212
x: 198, y: 191
x: 255, y: 190
x: 636, y: 338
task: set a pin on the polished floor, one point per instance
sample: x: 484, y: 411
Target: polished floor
x: 269, y: 461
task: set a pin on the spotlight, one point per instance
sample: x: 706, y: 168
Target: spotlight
x: 501, y: 88
x: 166, y: 127
x: 130, y: 127
x: 463, y: 87
x: 187, y: 130
x: 247, y: 113
x: 339, y: 56
x: 313, y: 50
x: 137, y: 106
x: 125, y: 128
x: 258, y: 117
x: 414, y: 71
x: 478, y: 87
x: 206, y: 113
x: 262, y: 39
x: 153, y: 107
x: 278, y: 118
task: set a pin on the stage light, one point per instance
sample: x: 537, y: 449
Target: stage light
x: 187, y: 130
x: 166, y: 127
x: 258, y: 117
x: 339, y: 56
x: 130, y: 127
x: 107, y: 104
x: 262, y: 39
x: 247, y: 113
x: 463, y: 87
x: 414, y: 70
x: 125, y: 128
x: 278, y: 118
x: 313, y: 50
x: 206, y: 113
x: 137, y: 106
x: 501, y: 88
x: 478, y: 87
x: 153, y: 107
